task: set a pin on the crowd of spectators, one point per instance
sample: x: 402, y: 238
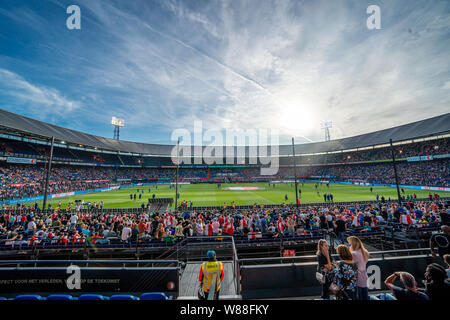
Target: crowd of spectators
x: 427, y: 173
x: 277, y: 222
x: 424, y: 148
x: 21, y: 181
x: 346, y: 279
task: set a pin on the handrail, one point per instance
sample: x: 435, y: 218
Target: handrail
x: 237, y: 273
x: 382, y: 253
x: 290, y: 205
x: 69, y: 262
x: 213, y: 288
x: 178, y: 246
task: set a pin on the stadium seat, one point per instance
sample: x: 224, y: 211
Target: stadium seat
x: 29, y: 297
x: 60, y: 297
x: 154, y: 296
x: 123, y: 297
x: 85, y: 297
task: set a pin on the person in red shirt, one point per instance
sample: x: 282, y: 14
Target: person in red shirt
x: 210, y: 229
x: 95, y: 238
x: 23, y: 220
x: 230, y: 228
x: 76, y: 237
x: 34, y: 240
x: 64, y: 239
x: 141, y: 227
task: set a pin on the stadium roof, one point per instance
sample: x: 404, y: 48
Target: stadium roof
x: 17, y: 124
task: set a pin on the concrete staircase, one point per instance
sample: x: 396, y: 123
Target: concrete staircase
x: 189, y: 282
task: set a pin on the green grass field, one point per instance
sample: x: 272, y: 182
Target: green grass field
x: 211, y: 195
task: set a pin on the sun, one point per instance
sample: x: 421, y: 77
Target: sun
x: 297, y: 120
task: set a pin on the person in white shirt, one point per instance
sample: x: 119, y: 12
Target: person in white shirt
x: 199, y: 228
x: 126, y: 233
x: 215, y: 227
x: 73, y: 219
x: 31, y: 225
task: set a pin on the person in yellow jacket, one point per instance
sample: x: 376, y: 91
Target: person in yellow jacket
x: 207, y: 271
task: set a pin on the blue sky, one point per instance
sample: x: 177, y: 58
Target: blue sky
x: 262, y: 64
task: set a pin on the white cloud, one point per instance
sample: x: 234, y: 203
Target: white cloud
x: 267, y: 64
x: 446, y: 85
x: 40, y: 99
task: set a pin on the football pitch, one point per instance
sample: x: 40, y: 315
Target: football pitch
x: 241, y: 194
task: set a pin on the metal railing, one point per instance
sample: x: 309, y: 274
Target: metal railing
x: 213, y: 288
x: 237, y: 270
x: 298, y: 259
x: 86, y: 263
x: 238, y: 207
x: 195, y: 248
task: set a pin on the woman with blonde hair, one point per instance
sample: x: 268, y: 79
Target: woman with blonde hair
x: 360, y: 258
x: 324, y: 267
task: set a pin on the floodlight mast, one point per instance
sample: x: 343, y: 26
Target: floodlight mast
x: 395, y: 173
x: 326, y: 125
x: 117, y: 123
x: 176, y: 173
x: 295, y: 174
x: 47, y: 175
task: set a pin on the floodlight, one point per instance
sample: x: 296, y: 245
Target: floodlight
x: 117, y: 122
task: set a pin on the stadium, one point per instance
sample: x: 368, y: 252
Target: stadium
x: 95, y: 178
x: 365, y: 216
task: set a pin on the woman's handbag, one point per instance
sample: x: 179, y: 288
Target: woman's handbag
x: 320, y: 277
x: 334, y: 288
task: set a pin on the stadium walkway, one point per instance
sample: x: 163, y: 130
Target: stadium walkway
x: 189, y: 282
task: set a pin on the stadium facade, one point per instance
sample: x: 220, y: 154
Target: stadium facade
x: 20, y: 127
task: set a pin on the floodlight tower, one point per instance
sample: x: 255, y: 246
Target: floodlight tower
x: 117, y: 123
x: 326, y: 125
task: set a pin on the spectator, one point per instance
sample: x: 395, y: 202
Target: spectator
x: 447, y: 262
x: 410, y: 292
x: 179, y: 231
x: 445, y: 217
x: 436, y: 287
x: 135, y: 232
x: 31, y: 226
x: 441, y: 241
x: 345, y: 275
x: 126, y: 234
x: 340, y: 228
x: 360, y: 258
x: 324, y: 266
